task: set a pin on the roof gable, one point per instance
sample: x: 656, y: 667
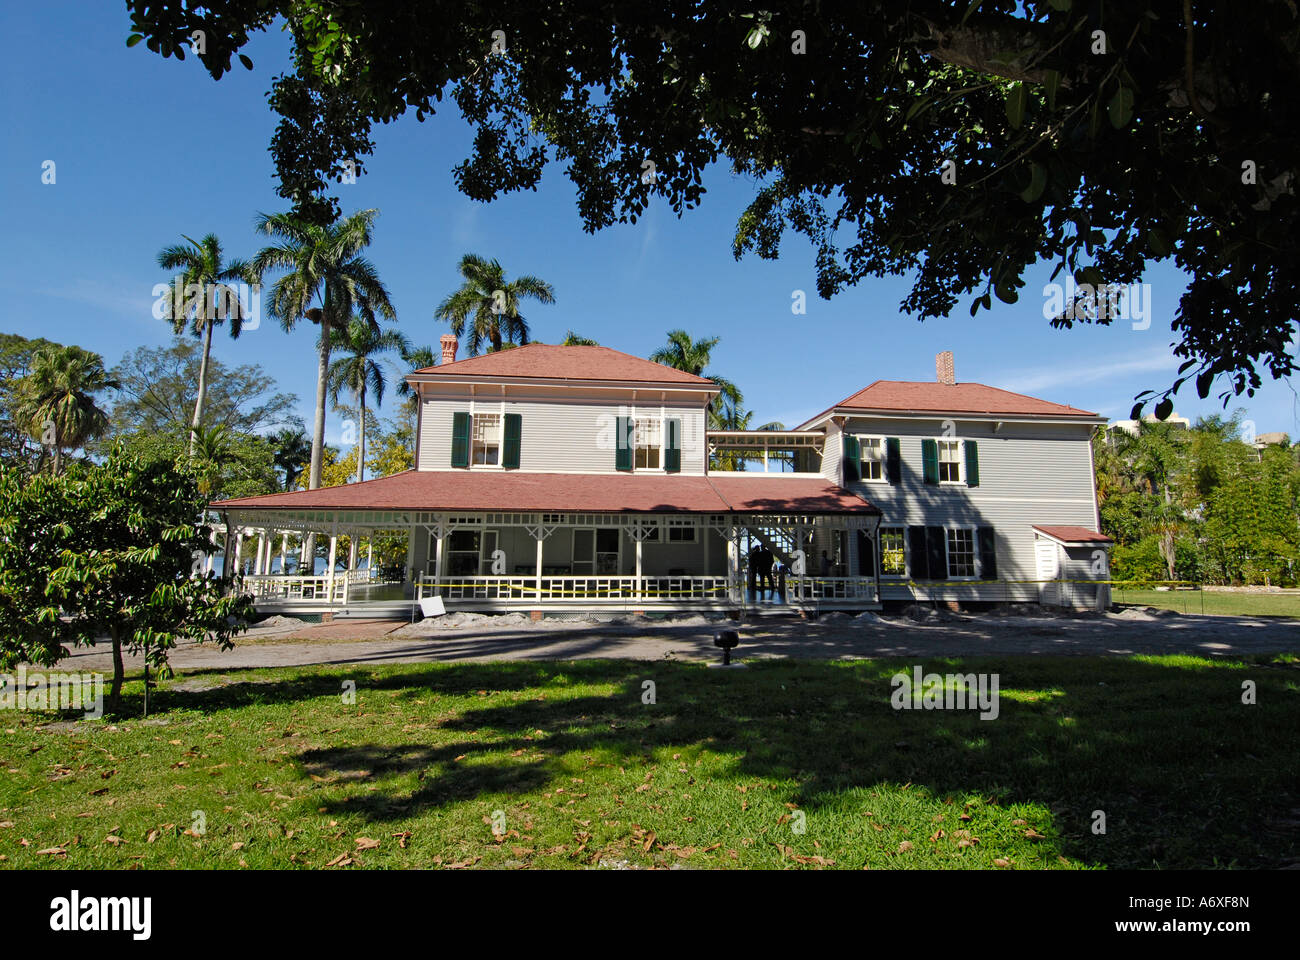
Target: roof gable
x: 542, y: 361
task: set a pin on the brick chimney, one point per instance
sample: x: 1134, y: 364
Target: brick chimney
x: 943, y: 369
x: 449, y: 343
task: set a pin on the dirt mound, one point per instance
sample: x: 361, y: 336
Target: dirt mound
x: 920, y: 613
x: 277, y: 621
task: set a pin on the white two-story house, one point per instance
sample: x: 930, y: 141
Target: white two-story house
x: 575, y: 478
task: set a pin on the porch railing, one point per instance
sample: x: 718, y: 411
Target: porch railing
x: 321, y: 589
x: 608, y: 589
x: 807, y: 589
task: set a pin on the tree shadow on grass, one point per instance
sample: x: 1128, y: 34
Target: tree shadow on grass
x: 1185, y: 773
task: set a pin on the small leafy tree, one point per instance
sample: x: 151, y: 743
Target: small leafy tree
x: 112, y: 551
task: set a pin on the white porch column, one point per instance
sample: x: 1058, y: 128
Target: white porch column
x: 239, y: 549
x: 439, y: 554
x: 261, y: 549
x: 352, y: 551
x: 334, y: 552
x: 284, y: 551
x: 640, y: 584
x: 541, y: 541
x: 733, y: 561
x: 370, y: 555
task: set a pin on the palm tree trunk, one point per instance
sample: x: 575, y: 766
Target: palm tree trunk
x: 318, y: 430
x: 361, y: 452
x: 203, y: 387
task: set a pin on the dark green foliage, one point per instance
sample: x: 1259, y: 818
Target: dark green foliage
x: 108, y: 550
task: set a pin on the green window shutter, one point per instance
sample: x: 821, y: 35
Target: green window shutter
x: 930, y: 460
x: 513, y: 437
x: 893, y: 461
x: 937, y: 548
x: 866, y: 555
x: 988, y: 554
x: 673, y: 450
x: 851, y: 457
x: 623, y: 444
x: 460, y: 428
x: 972, y: 463
x: 917, y: 558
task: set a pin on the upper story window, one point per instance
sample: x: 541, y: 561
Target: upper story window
x: 648, y: 440
x: 873, y: 458
x: 487, y: 439
x: 950, y: 461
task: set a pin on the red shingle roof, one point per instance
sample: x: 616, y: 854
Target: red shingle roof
x: 931, y: 397
x: 562, y: 492
x: 543, y: 361
x: 1070, y: 534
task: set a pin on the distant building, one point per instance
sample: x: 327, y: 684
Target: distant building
x: 1274, y: 439
x: 1131, y: 426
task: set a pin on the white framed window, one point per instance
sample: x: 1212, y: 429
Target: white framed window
x: 961, y: 553
x: 648, y: 442
x: 673, y: 531
x: 950, y: 461
x: 486, y: 446
x: 873, y: 457
x: 893, y: 556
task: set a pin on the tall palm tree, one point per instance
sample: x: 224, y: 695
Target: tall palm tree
x: 359, y: 373
x: 571, y: 339
x: 327, y: 281
x: 291, y: 449
x: 692, y: 356
x: 55, y: 402
x: 488, y: 307
x: 415, y: 358
x: 201, y: 266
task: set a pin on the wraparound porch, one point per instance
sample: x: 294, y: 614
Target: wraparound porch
x: 486, y: 561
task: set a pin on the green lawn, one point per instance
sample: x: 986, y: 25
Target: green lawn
x: 1219, y: 604
x: 574, y: 770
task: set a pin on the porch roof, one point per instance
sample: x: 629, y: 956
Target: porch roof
x: 1070, y: 535
x: 566, y: 492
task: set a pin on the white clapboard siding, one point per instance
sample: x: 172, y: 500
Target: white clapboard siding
x: 559, y: 436
x: 1029, y: 474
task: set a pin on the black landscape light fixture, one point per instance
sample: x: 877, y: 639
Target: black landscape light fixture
x: 726, y: 639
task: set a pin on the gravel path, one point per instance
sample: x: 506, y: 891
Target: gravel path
x: 513, y: 637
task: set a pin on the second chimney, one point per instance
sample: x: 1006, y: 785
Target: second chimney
x: 449, y: 343
x: 943, y: 369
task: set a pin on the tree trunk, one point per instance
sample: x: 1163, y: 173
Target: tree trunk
x: 115, y: 688
x: 318, y: 430
x: 203, y: 387
x: 496, y: 337
x: 361, y: 452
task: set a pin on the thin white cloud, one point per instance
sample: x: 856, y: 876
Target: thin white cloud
x: 1043, y: 378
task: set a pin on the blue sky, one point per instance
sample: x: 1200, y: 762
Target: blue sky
x: 148, y: 149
